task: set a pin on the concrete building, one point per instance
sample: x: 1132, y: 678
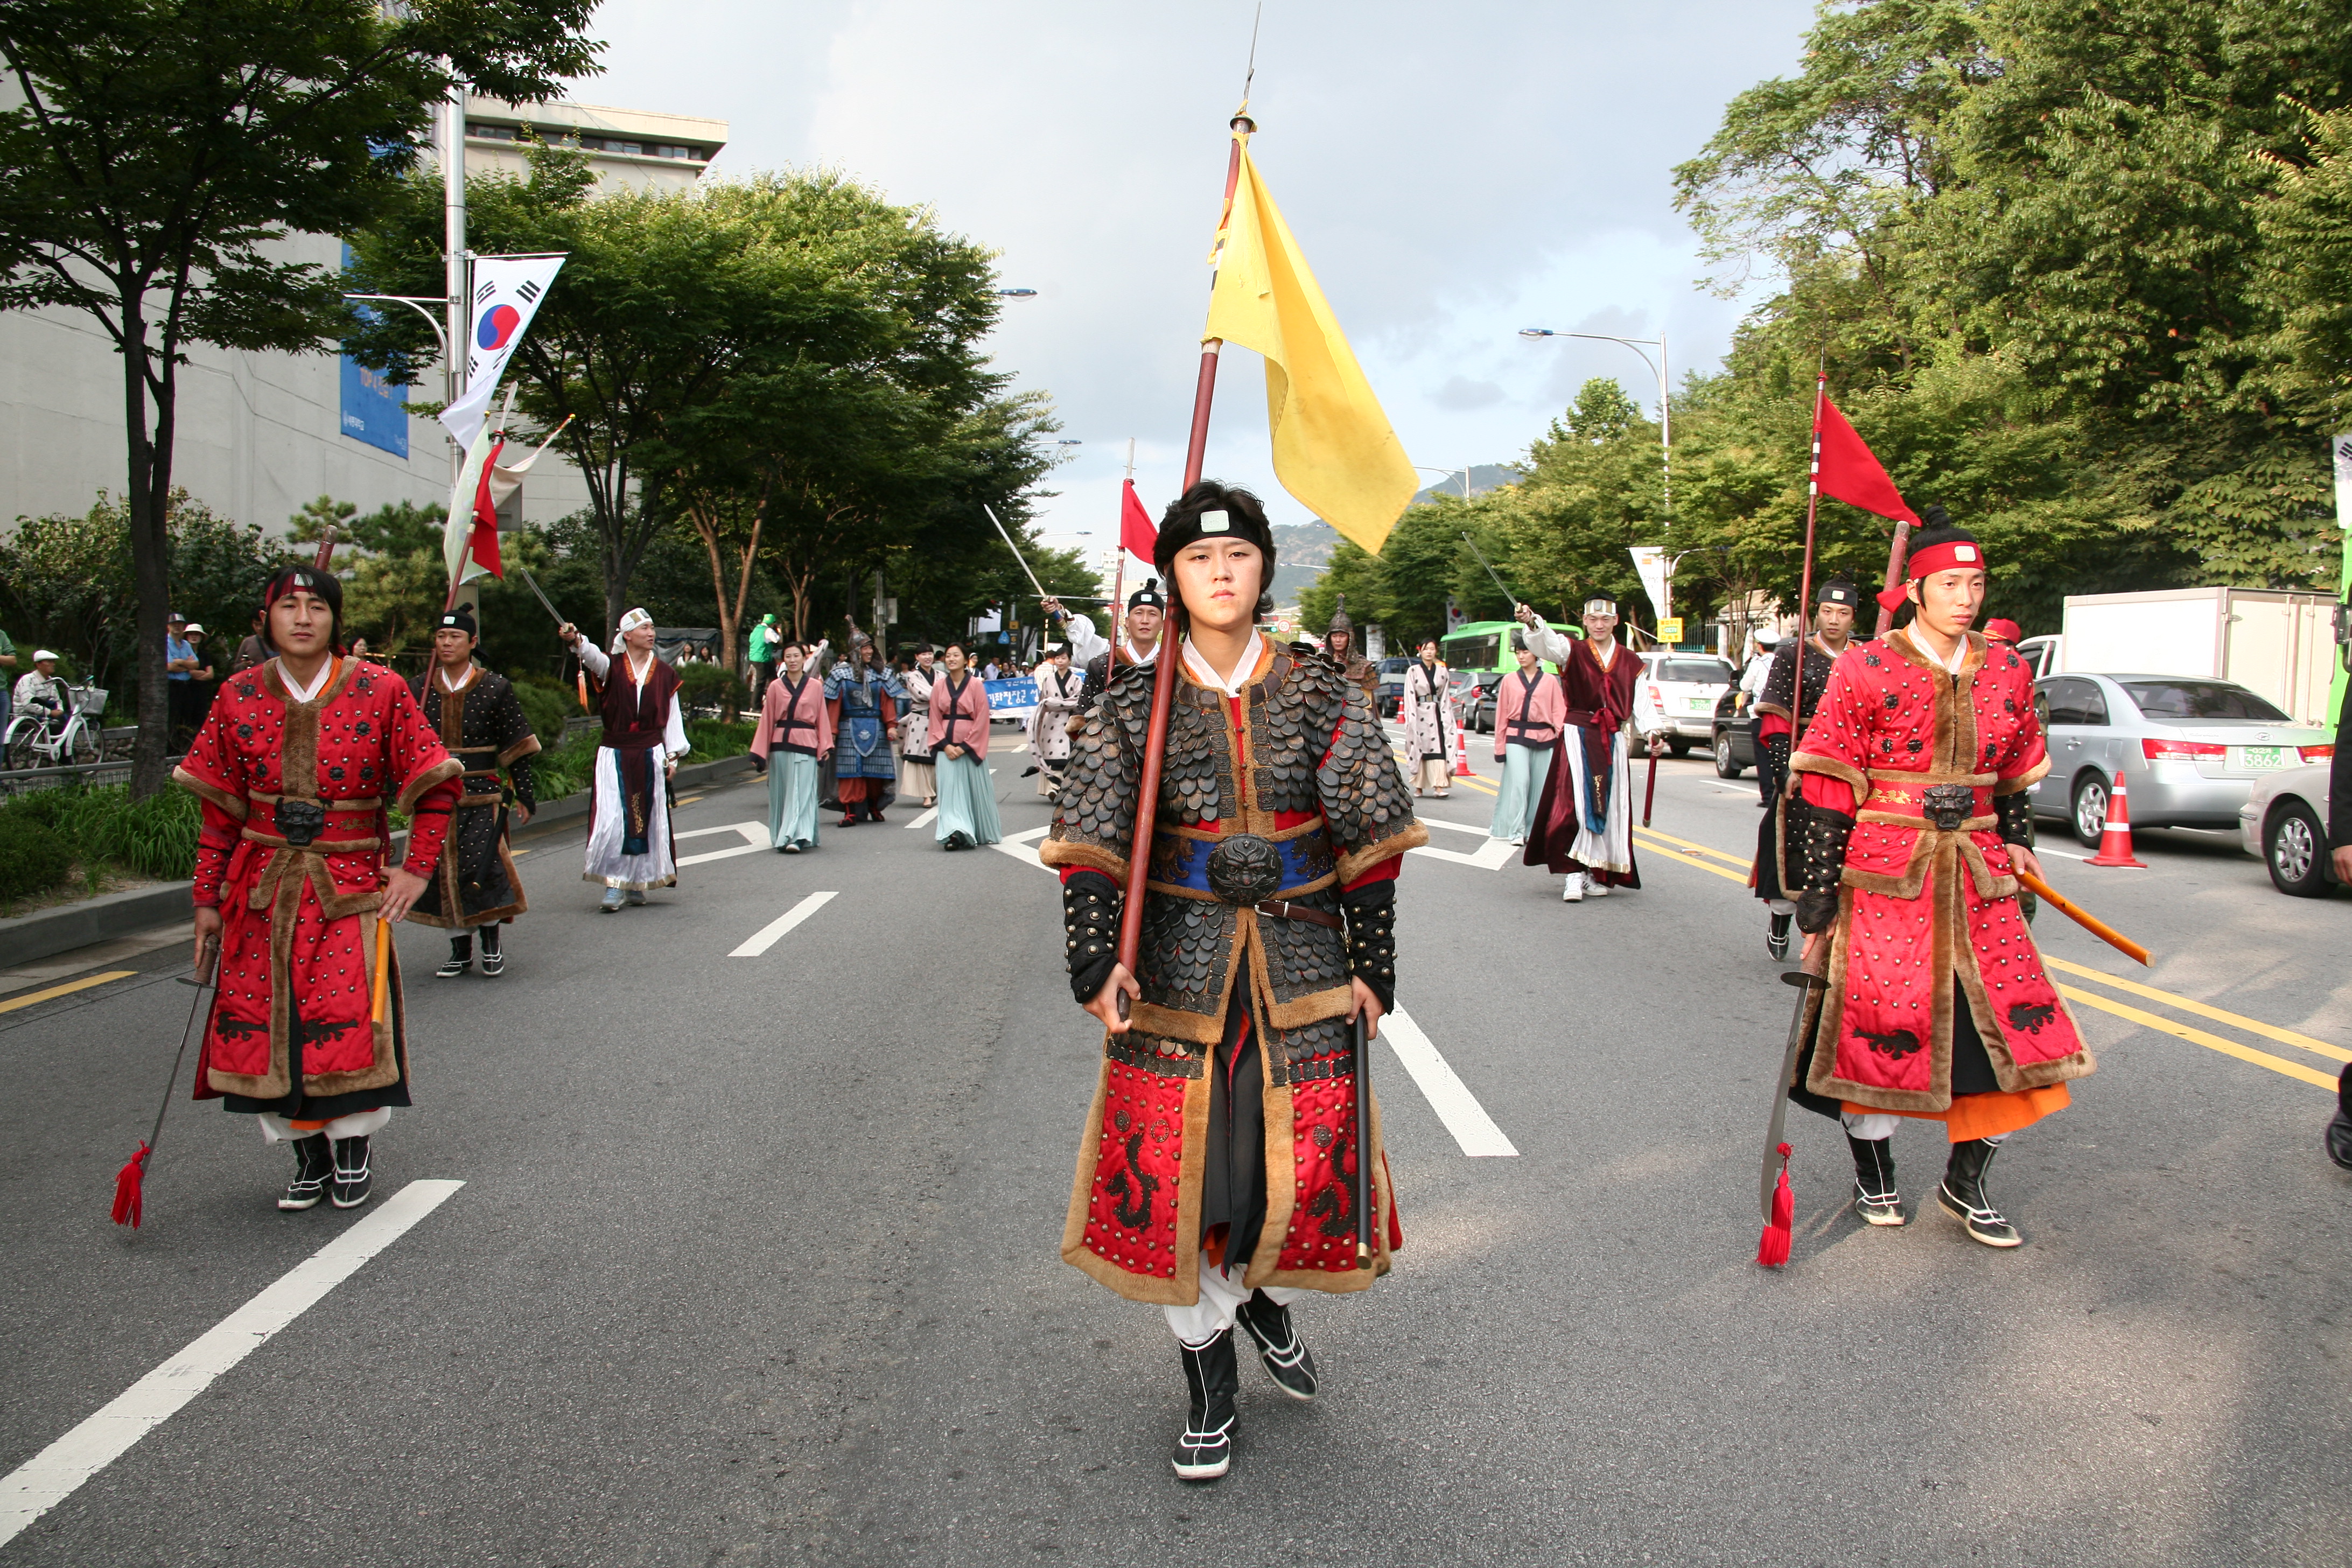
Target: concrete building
x: 261, y: 434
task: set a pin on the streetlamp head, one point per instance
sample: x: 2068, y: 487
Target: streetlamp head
x: 1537, y: 333
x: 1016, y: 293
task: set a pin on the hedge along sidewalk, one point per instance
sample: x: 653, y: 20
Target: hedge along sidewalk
x: 48, y: 932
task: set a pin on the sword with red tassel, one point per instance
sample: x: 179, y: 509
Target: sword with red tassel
x: 129, y: 1182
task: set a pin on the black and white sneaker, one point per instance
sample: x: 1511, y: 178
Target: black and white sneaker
x: 351, y: 1178
x: 312, y: 1165
x: 2339, y: 1141
x: 1962, y: 1196
x: 455, y: 965
x: 1278, y: 1346
x: 1205, y: 1450
x: 1776, y: 936
x: 494, y: 962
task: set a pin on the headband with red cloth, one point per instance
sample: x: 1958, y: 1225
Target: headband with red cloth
x: 1941, y: 556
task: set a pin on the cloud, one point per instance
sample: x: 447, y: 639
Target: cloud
x: 1454, y: 174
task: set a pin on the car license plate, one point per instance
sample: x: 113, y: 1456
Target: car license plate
x: 2261, y: 759
x: 1701, y: 704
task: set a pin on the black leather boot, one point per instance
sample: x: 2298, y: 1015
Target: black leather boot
x: 351, y: 1178
x: 1278, y: 1346
x: 1875, y: 1198
x: 1205, y: 1451
x: 493, y: 961
x: 461, y: 955
x: 2339, y: 1130
x: 312, y: 1165
x: 1776, y: 935
x: 1963, y: 1195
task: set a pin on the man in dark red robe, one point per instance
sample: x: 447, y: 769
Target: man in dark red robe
x: 629, y: 847
x: 1584, y: 822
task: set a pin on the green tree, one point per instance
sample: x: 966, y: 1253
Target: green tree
x: 159, y: 150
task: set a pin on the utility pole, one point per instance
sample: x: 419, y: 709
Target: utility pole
x: 458, y: 285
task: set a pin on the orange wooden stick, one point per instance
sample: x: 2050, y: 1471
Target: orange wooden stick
x: 2089, y: 922
x: 383, y: 968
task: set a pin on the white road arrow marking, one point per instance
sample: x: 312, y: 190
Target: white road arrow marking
x: 1447, y: 1095
x: 1491, y: 855
x: 753, y: 834
x: 49, y: 1476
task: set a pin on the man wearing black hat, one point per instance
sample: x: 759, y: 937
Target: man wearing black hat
x: 1146, y: 608
x: 1782, y: 720
x: 479, y: 719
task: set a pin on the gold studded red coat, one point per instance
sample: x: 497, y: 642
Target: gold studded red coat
x: 1919, y: 756
x: 296, y: 796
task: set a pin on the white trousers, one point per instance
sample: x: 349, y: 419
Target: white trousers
x: 1872, y: 1126
x: 1221, y: 1294
x: 276, y: 1129
x: 1611, y: 849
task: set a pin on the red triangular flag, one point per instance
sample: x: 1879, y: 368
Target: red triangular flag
x: 1136, y: 534
x: 1848, y: 470
x: 484, y: 545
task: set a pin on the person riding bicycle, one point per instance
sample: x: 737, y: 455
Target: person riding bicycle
x: 39, y: 691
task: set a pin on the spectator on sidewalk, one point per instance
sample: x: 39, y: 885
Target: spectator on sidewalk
x: 255, y: 650
x: 180, y: 666
x: 762, y: 653
x: 205, y: 682
x: 7, y: 681
x: 40, y: 694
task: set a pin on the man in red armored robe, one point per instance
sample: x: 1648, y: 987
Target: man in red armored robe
x: 1584, y: 818
x: 1908, y: 819
x: 297, y: 766
x: 1216, y: 1173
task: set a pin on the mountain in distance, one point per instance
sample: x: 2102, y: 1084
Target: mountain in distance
x: 1302, y: 549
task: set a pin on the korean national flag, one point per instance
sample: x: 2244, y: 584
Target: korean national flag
x: 507, y: 292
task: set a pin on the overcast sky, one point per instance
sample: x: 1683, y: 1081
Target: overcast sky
x: 1454, y: 172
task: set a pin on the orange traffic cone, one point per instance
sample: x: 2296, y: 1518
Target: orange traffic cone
x: 1461, y: 751
x: 2114, y: 839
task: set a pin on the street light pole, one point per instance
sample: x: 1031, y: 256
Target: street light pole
x: 1658, y: 368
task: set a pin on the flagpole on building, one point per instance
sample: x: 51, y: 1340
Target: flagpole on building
x: 1118, y: 616
x: 454, y: 282
x: 1172, y: 626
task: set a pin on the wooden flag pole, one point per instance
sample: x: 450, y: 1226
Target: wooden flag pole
x: 1171, y: 632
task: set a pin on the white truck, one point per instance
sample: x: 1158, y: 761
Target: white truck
x: 2279, y: 645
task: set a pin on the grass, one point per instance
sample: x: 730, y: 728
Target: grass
x: 53, y: 838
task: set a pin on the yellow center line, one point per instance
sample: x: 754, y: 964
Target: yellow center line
x: 2136, y: 1016
x: 2199, y: 1036
x: 1738, y: 877
x: 1739, y: 860
x: 2253, y: 1025
x: 68, y: 989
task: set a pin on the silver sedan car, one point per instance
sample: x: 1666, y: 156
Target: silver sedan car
x: 2284, y: 821
x: 2190, y: 748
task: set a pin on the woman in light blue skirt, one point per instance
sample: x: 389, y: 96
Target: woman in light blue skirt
x: 1528, y: 707
x: 967, y: 816
x: 795, y: 730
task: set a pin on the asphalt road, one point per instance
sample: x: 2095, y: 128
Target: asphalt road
x: 755, y: 1257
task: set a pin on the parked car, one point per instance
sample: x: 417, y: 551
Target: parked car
x: 1474, y: 696
x: 1734, y: 737
x: 1392, y: 684
x: 2190, y: 748
x: 2284, y: 821
x: 1677, y: 695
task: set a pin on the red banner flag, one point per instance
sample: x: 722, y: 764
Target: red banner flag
x: 1848, y: 470
x: 1136, y: 534
x: 484, y: 545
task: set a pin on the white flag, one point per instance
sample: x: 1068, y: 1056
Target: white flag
x: 507, y: 292
x: 1650, y: 565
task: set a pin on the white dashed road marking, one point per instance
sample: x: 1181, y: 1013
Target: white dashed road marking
x: 49, y: 1476
x: 776, y: 930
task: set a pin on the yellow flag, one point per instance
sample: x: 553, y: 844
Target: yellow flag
x: 1333, y: 449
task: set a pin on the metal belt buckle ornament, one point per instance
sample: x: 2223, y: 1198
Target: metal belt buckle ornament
x: 300, y: 821
x: 1244, y: 869
x: 1948, y: 806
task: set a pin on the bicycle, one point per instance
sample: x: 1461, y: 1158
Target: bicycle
x: 36, y: 741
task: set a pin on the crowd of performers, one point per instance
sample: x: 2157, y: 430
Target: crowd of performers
x: 1217, y: 1166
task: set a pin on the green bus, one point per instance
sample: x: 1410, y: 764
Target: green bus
x: 1487, y: 644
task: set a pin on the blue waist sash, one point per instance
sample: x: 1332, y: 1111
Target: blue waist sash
x: 1180, y: 862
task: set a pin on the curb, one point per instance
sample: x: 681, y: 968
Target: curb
x: 48, y: 932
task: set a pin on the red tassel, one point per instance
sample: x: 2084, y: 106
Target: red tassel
x: 127, y: 1182
x: 1773, y: 1250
